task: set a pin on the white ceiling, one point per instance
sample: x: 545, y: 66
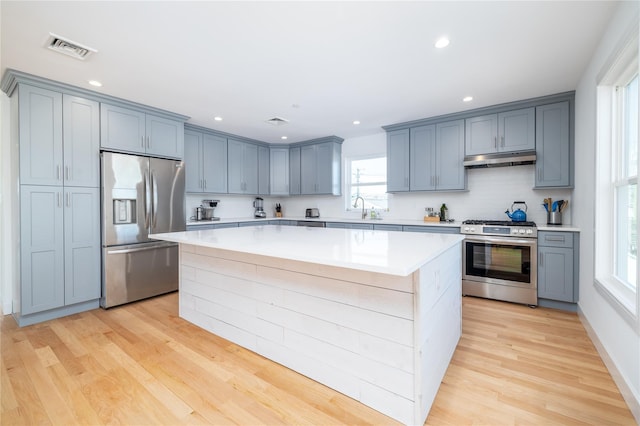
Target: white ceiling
x: 337, y: 61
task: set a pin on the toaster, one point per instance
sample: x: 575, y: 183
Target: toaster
x: 312, y: 213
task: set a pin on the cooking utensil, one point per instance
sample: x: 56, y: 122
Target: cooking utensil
x: 554, y: 206
x: 564, y: 206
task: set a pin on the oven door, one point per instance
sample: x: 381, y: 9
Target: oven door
x: 499, y: 260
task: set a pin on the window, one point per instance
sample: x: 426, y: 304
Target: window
x: 616, y: 268
x: 366, y: 177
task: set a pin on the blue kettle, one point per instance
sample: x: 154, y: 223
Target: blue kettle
x: 518, y: 215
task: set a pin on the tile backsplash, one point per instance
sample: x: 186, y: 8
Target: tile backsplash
x: 490, y: 192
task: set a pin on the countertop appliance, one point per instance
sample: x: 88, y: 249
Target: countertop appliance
x: 312, y: 213
x: 499, y: 260
x: 140, y: 196
x: 207, y: 208
x: 258, y: 204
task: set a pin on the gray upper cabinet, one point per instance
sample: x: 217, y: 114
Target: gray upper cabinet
x: 279, y: 172
x: 503, y: 132
x: 128, y: 130
x: 426, y: 158
x: 205, y: 158
x: 422, y: 156
x: 554, y: 150
x: 450, y: 172
x: 398, y: 154
x: 294, y: 171
x: 242, y: 167
x: 40, y: 121
x: 320, y: 168
x: 81, y: 141
x: 264, y: 178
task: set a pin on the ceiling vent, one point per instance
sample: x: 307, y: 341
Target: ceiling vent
x: 68, y: 47
x: 277, y: 121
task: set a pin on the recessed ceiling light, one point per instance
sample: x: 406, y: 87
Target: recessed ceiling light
x: 356, y: 122
x: 442, y: 42
x: 217, y: 118
x: 284, y: 137
x: 467, y: 99
x: 95, y: 83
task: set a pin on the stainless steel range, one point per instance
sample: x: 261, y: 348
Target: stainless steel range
x: 499, y: 260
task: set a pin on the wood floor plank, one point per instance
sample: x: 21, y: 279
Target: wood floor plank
x: 142, y: 364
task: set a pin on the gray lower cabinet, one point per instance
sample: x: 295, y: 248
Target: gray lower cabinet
x: 60, y: 247
x: 381, y: 227
x: 205, y: 158
x: 348, y: 225
x: 557, y: 266
x: 294, y: 171
x: 432, y: 229
x: 264, y: 175
x: 554, y: 146
x: 503, y: 132
x: 242, y: 167
x: 128, y: 130
x: 320, y: 169
x: 212, y: 226
x: 279, y: 172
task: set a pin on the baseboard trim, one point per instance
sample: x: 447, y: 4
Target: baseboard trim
x: 633, y: 401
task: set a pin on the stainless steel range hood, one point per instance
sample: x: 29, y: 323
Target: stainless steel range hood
x: 500, y: 159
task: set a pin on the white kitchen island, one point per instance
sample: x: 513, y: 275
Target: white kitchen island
x: 375, y: 315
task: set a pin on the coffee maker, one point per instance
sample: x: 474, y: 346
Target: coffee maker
x: 258, y: 204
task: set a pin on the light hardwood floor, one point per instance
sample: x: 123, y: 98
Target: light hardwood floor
x: 141, y: 364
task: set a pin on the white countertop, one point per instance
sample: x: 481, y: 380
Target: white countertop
x: 565, y: 228
x: 395, y: 253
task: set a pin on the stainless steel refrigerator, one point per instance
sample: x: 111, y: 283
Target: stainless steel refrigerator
x: 140, y: 196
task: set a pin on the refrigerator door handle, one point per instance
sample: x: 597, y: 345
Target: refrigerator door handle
x: 154, y: 215
x: 147, y: 202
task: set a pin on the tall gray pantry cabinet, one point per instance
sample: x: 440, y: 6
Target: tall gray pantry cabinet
x: 58, y: 139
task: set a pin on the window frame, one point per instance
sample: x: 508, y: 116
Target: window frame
x: 347, y: 179
x: 612, y: 174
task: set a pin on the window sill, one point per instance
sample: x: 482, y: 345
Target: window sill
x: 626, y: 308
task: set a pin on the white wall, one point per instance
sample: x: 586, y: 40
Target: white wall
x: 491, y: 192
x: 620, y: 340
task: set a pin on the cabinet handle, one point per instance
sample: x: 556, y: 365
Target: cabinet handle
x: 205, y: 184
x: 142, y: 141
x: 59, y: 199
x: 540, y: 259
x: 68, y: 199
x: 502, y: 141
x: 66, y: 172
x: 554, y: 238
x: 58, y: 172
x: 495, y: 142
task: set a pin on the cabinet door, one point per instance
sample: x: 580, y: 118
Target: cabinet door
x: 324, y: 168
x: 41, y: 248
x: 82, y: 281
x: 122, y: 129
x: 263, y: 171
x: 250, y: 171
x: 279, y: 171
x: 398, y: 161
x: 193, y: 161
x: 450, y: 173
x: 235, y: 166
x: 481, y: 136
x: 40, y: 122
x: 308, y: 170
x: 294, y: 171
x: 553, y: 149
x: 81, y: 135
x: 516, y: 130
x: 214, y: 159
x: 423, y: 155
x: 164, y: 137
x: 555, y: 274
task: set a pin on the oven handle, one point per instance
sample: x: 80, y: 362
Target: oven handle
x: 532, y: 242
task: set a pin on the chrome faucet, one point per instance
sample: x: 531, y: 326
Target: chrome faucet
x: 355, y: 204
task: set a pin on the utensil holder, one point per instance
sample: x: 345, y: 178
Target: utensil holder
x: 554, y: 218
